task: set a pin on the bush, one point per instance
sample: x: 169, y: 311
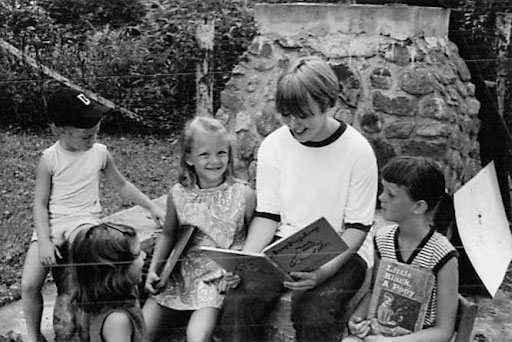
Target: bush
x: 147, y: 67
x: 142, y: 54
x: 95, y: 13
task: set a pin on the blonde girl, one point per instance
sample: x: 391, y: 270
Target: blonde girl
x: 220, y: 206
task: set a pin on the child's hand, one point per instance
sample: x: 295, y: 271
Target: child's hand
x: 214, y: 277
x: 48, y: 252
x: 304, y: 281
x: 157, y: 214
x: 152, y: 284
x: 223, y: 280
x: 359, y: 326
x: 228, y: 281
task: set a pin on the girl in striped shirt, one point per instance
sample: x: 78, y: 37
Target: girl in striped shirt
x: 414, y: 197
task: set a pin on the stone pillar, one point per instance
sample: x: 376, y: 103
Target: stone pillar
x: 403, y: 83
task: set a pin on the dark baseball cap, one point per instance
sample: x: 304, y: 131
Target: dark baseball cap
x: 68, y: 107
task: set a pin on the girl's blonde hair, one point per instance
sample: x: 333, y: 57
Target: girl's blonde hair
x: 198, y: 125
x: 308, y: 78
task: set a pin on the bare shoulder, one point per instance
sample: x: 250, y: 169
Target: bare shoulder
x: 117, y: 327
x: 247, y: 190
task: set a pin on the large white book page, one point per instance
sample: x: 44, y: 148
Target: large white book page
x: 483, y: 227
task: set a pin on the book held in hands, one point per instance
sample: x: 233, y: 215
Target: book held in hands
x: 399, y: 299
x: 302, y: 251
x: 184, y: 235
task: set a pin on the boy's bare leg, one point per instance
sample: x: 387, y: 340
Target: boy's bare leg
x: 34, y: 274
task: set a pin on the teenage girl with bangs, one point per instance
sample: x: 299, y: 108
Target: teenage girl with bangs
x: 313, y: 166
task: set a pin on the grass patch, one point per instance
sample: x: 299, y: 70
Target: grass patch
x: 149, y: 162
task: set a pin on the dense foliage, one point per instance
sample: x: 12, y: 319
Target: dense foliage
x: 146, y: 64
x: 141, y: 54
x: 94, y: 13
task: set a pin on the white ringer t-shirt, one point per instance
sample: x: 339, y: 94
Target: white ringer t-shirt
x: 297, y: 183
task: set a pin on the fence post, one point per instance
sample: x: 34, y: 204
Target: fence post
x: 205, y: 32
x: 503, y: 84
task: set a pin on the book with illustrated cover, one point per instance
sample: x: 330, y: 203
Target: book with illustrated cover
x: 254, y: 267
x: 399, y: 299
x: 304, y: 250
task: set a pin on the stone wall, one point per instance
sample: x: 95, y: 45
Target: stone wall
x: 403, y: 84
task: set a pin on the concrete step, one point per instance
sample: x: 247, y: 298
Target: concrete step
x: 12, y: 319
x: 493, y: 322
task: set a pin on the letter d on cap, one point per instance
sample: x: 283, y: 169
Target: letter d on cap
x: 84, y: 99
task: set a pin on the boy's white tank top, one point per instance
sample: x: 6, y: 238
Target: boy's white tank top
x: 74, y: 194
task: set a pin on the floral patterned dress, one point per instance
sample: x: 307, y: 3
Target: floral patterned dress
x: 219, y: 215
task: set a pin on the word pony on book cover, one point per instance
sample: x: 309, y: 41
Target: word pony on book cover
x: 399, y: 300
x: 305, y: 250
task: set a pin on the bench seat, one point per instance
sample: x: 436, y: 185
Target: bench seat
x: 137, y: 217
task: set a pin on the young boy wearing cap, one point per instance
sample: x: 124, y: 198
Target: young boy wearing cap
x: 67, y: 192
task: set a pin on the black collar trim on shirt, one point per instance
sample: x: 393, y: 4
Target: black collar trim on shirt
x: 333, y: 137
x: 416, y: 251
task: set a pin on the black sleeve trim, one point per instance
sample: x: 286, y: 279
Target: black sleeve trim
x: 273, y: 217
x: 358, y: 226
x: 444, y: 260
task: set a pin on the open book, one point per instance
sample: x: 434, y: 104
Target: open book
x: 399, y: 299
x: 304, y: 250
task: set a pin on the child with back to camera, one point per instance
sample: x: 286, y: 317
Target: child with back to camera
x: 67, y: 192
x: 107, y: 263
x: 220, y: 207
x: 413, y: 196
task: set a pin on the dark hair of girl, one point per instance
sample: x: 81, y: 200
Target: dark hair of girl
x: 424, y: 180
x: 101, y: 256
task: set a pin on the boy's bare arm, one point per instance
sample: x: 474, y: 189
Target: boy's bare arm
x: 47, y: 249
x: 130, y: 192
x: 163, y: 247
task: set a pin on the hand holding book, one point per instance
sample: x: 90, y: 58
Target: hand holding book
x: 399, y: 299
x: 358, y: 326
x: 185, y: 233
x: 303, y: 281
x: 228, y: 281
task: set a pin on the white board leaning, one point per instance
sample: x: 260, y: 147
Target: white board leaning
x: 483, y: 227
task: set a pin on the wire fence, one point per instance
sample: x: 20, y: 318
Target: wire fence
x: 193, y: 75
